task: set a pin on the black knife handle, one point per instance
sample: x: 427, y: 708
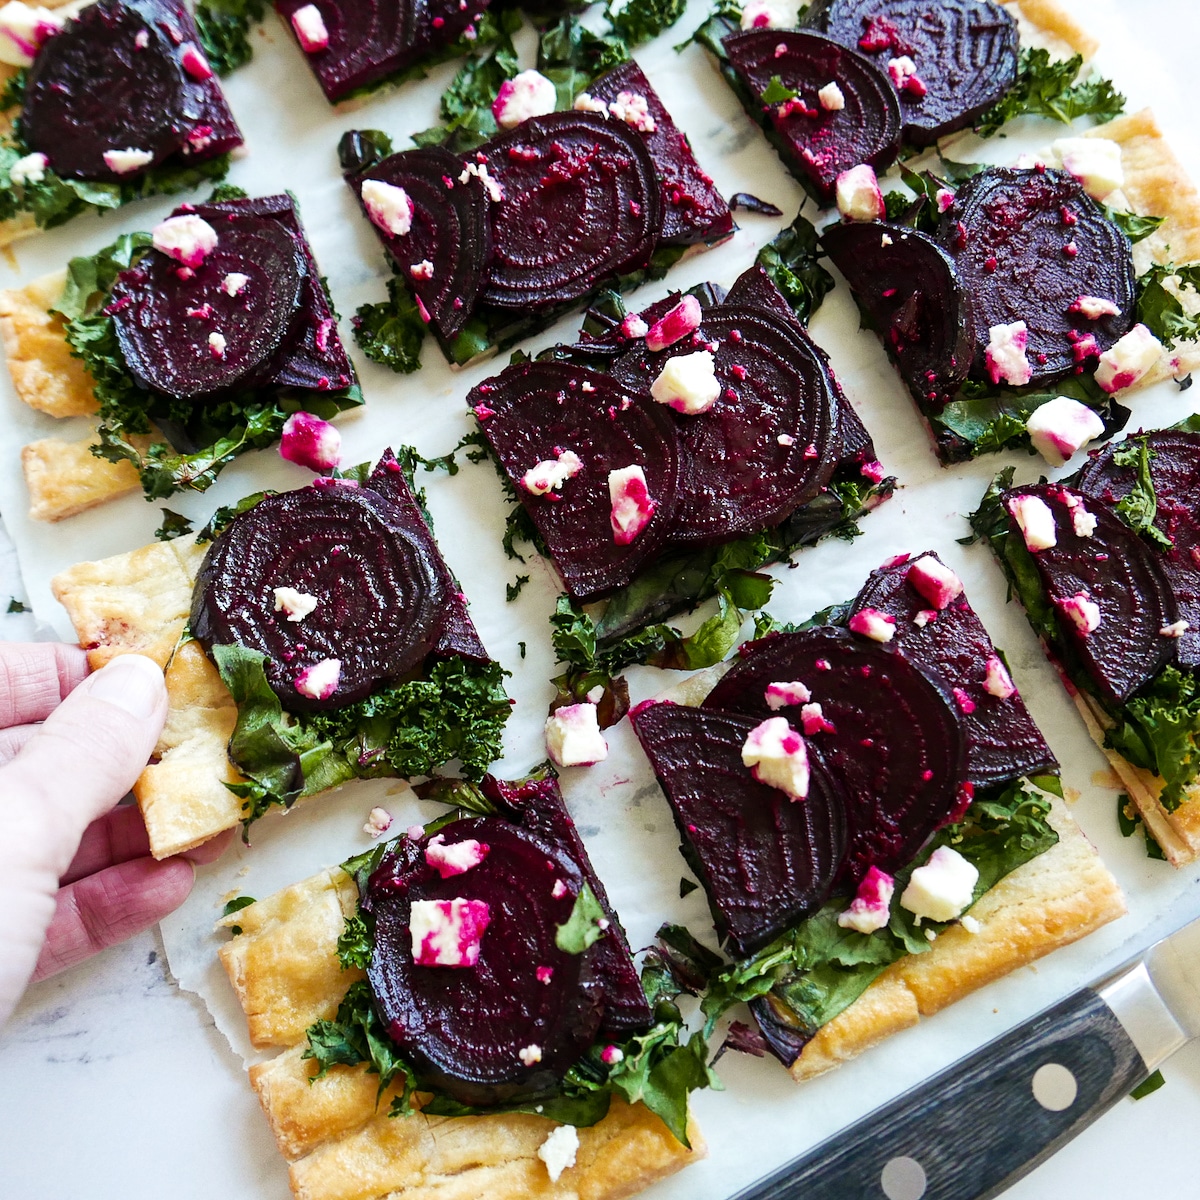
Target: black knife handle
x: 977, y: 1127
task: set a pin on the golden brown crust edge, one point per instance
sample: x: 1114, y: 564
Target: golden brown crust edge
x: 1056, y: 25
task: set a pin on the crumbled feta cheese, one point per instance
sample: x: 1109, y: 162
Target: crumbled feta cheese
x: 217, y: 344
x: 187, y: 239
x: 455, y: 859
x: 23, y: 30
x: 870, y: 622
x: 310, y: 442
x: 124, y: 162
x: 194, y: 63
x: 295, y: 604
x: 310, y: 29
x: 970, y: 924
x: 681, y: 320
x: 885, y: 241
x: 634, y: 327
x: 943, y: 198
x: 858, y: 194
x: 479, y: 171
x: 529, y: 94
x: 688, y: 383
x: 530, y: 1055
x: 632, y: 506
x: 1095, y: 162
x: 1175, y: 630
x: 633, y: 109
x: 550, y: 474
x: 934, y: 581
x: 871, y: 907
x: 770, y: 14
x: 812, y: 718
x: 421, y: 270
x: 942, y: 888
x: 558, y: 1150
x: 1094, y: 307
x: 559, y: 890
x: 780, y: 695
x: 587, y: 103
x: 926, y: 616
x: 447, y: 933
x: 1130, y: 360
x: 388, y: 206
x: 998, y: 682
x: 1081, y: 610
x: 319, y: 681
x: 234, y: 283
x: 544, y: 974
x: 903, y: 73
x: 1035, y: 521
x: 1061, y: 427
x: 1082, y: 521
x: 830, y: 98
x: 30, y: 169
x: 573, y: 737
x: 1005, y: 355
x: 777, y: 756
x: 785, y: 439
x: 611, y: 1055
x: 378, y: 822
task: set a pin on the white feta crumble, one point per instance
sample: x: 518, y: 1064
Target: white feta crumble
x: 871, y: 907
x: 1095, y: 162
x: 297, y: 605
x: 1094, y: 307
x: 217, y: 344
x: 447, y: 933
x: 234, y: 283
x: 320, y: 681
x: 1006, y: 356
x: 970, y: 924
x: 479, y: 171
x: 310, y: 29
x: 1061, y: 428
x: 688, y: 383
x: 421, y: 270
x: 858, y: 194
x: 388, y: 207
x: 777, y: 756
x: 30, y: 169
x: 634, y: 109
x: 558, y: 1150
x: 530, y: 1055
x: 1081, y: 610
x: 585, y: 102
x: 529, y: 94
x: 781, y: 695
x: 934, y: 581
x: 573, y: 737
x: 830, y: 97
x: 1035, y: 521
x: 871, y: 623
x: 998, y: 682
x: 378, y: 822
x: 550, y: 474
x: 1130, y: 360
x: 1175, y: 630
x: 1082, y: 521
x: 187, y: 238
x: 942, y: 888
x: 124, y: 162
x: 632, y: 506
x: 455, y: 859
x: 23, y: 30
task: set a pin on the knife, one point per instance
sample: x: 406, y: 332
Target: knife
x: 990, y: 1118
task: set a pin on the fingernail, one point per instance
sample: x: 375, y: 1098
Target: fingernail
x: 132, y: 682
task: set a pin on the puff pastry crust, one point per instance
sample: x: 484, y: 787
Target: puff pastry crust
x: 338, y: 1141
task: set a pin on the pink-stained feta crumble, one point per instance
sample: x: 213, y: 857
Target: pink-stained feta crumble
x: 545, y: 974
x: 1061, y: 428
x: 1094, y: 307
x: 479, y: 171
x: 188, y: 239
x: 934, y: 581
x: 421, y: 270
x: 1175, y: 630
x: 415, y: 833
x: 633, y: 109
x: 871, y: 907
x: 683, y: 319
x: 217, y: 344
x: 777, y: 756
x: 378, y: 822
x: 903, y: 73
x: 998, y: 682
x: 559, y: 890
x: 310, y: 442
x: 632, y: 506
x: 1006, y: 355
x: 388, y: 207
x: 768, y: 14
x: 925, y: 616
x: 194, y: 63
x: 125, y: 162
x: 634, y: 327
x: 813, y: 720
x: 964, y: 702
x: 319, y: 681
x: 234, y: 283
x: 611, y: 1055
x: 1081, y: 610
x: 24, y: 29
x: 858, y: 194
x: 872, y: 471
x: 871, y: 623
x: 1035, y: 521
x: 781, y: 695
x: 550, y: 474
x: 310, y: 29
x: 529, y: 94
x: 1129, y: 361
x: 943, y: 198
x: 573, y: 737
x: 448, y: 933
x: 455, y: 859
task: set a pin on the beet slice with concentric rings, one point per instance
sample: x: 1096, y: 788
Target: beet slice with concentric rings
x: 964, y: 53
x: 907, y: 287
x: 512, y: 1024
x: 444, y: 257
x: 1175, y: 474
x: 897, y: 746
x: 1111, y: 568
x: 534, y: 412
x: 1003, y: 743
x: 580, y: 204
x: 766, y: 861
x: 188, y: 338
x: 738, y: 476
x: 375, y: 579
x: 818, y: 144
x: 1026, y: 245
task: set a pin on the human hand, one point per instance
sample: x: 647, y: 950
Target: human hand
x: 76, y: 874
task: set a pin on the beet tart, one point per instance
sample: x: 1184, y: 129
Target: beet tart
x: 1106, y: 565
x: 370, y: 980
x: 191, y: 344
x: 875, y: 818
x: 308, y: 638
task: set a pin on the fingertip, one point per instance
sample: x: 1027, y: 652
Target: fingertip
x: 211, y: 850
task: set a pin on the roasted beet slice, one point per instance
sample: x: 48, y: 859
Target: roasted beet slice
x: 532, y: 413
x: 897, y: 746
x: 537, y: 805
x: 818, y: 144
x: 465, y: 1028
x: 766, y: 861
x: 907, y: 287
x: 692, y: 208
x: 580, y: 204
x: 445, y: 256
x: 1026, y: 245
x: 376, y: 580
x: 1112, y: 569
x: 114, y: 80
x: 184, y: 335
x: 964, y: 51
x: 1003, y: 743
x: 1175, y: 474
x: 738, y: 475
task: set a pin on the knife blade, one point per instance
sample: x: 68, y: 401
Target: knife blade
x: 978, y: 1126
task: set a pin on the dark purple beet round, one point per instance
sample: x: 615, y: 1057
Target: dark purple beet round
x: 909, y: 291
x: 823, y: 143
x: 539, y: 409
x: 965, y: 53
x: 378, y: 588
x: 1003, y: 743
x: 464, y: 1028
x: 766, y: 861
x: 1026, y: 245
x: 164, y: 323
x: 450, y: 230
x: 581, y: 204
x: 1175, y: 473
x: 897, y: 748
x: 737, y: 477
x: 1122, y: 576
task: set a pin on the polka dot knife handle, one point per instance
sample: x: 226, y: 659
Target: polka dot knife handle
x: 988, y: 1119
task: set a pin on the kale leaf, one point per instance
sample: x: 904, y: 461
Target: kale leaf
x: 639, y: 21
x: 1159, y: 307
x: 173, y: 525
x: 391, y: 332
x: 1139, y: 508
x: 224, y: 27
x: 583, y: 927
x: 791, y: 262
x: 1135, y: 227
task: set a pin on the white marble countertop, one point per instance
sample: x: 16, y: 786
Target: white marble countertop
x: 115, y: 1083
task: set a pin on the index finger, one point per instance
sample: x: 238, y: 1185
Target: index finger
x: 35, y: 677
